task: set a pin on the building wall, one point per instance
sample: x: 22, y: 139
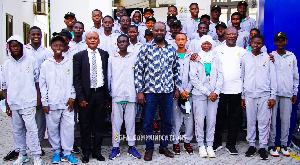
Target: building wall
x: 21, y: 12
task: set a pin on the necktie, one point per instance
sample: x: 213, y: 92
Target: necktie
x: 94, y: 70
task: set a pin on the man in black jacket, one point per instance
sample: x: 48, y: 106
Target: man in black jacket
x: 90, y: 82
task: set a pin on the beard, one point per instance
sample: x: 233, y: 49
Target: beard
x: 159, y: 38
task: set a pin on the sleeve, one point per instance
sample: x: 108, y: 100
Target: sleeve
x: 36, y: 71
x: 229, y: 24
x: 192, y: 46
x: 189, y: 87
x: 139, y: 70
x: 43, y: 86
x: 220, y: 77
x: 273, y: 81
x: 295, y: 76
x: 243, y: 76
x: 196, y: 80
x: 109, y: 75
x: 176, y: 72
x: 73, y: 92
x: 3, y: 78
x: 77, y: 79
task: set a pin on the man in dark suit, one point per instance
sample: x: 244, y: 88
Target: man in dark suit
x: 90, y: 82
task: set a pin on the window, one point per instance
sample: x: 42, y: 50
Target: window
x: 40, y: 7
x: 26, y: 28
x: 45, y: 39
x: 9, y: 25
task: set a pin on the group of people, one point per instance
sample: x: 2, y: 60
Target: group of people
x: 191, y: 72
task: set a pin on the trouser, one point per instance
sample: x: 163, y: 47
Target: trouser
x: 75, y: 118
x: 23, y: 122
x: 257, y: 109
x: 165, y: 102
x: 60, y: 124
x: 285, y: 110
x: 118, y: 111
x: 229, y: 105
x: 205, y: 108
x: 41, y: 123
x: 92, y: 119
x: 177, y: 119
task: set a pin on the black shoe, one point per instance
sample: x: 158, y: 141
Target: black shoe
x: 85, y: 158
x: 75, y: 149
x: 251, y: 151
x: 232, y: 150
x: 263, y: 154
x: 98, y: 157
x: 217, y: 147
x: 43, y: 152
x: 11, y: 155
x: 176, y: 149
x: 188, y: 149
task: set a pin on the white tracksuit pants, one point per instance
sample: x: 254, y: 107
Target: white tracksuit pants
x: 60, y: 125
x: 285, y: 110
x: 41, y: 123
x: 119, y: 110
x: 257, y: 109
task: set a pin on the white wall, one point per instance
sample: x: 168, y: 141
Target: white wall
x: 183, y: 8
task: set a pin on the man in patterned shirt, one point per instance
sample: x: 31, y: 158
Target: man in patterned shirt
x: 157, y: 83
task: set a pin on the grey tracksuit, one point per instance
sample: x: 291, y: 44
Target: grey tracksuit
x: 120, y: 76
x: 56, y: 86
x: 41, y: 54
x: 203, y: 86
x: 259, y: 85
x: 178, y: 116
x: 19, y: 78
x: 287, y: 86
x: 243, y: 38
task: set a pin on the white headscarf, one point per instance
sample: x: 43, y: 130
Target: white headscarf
x: 132, y: 13
x: 206, y: 57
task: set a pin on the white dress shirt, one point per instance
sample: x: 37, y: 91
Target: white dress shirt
x: 100, y: 77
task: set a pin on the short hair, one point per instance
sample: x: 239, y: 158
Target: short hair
x: 203, y: 23
x: 237, y: 13
x: 256, y: 30
x: 108, y: 16
x: 123, y: 35
x: 181, y: 33
x: 172, y: 6
x: 124, y: 16
x: 35, y: 27
x: 193, y: 4
x: 133, y: 26
x: 205, y: 16
x: 79, y: 23
x: 96, y: 10
x: 259, y: 36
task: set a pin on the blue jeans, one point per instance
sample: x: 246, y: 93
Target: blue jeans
x: 165, y: 102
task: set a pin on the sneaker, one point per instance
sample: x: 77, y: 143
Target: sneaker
x: 202, y: 152
x: 155, y: 128
x: 114, y: 153
x: 134, y: 153
x: 284, y: 150
x: 69, y: 158
x: 263, y: 154
x: 210, y: 152
x: 21, y: 159
x: 250, y: 152
x: 11, y: 155
x: 273, y: 151
x: 188, y: 149
x: 37, y: 161
x: 56, y: 158
x: 75, y: 150
x: 176, y: 149
x: 232, y: 150
x: 217, y: 147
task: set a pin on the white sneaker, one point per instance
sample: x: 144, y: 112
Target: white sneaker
x: 202, y: 152
x: 21, y: 159
x: 284, y: 151
x: 273, y: 151
x: 38, y: 161
x: 210, y: 152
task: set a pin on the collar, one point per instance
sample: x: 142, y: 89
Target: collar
x: 90, y: 50
x: 154, y: 43
x: 30, y: 47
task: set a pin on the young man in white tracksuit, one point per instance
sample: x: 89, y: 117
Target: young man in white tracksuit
x: 19, y: 80
x: 185, y: 90
x: 207, y: 79
x: 58, y: 97
x: 258, y: 95
x: 122, y: 90
x: 287, y: 89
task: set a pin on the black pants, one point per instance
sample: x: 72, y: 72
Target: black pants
x: 92, y: 119
x: 229, y: 105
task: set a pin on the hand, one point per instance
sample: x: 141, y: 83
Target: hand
x: 271, y: 57
x: 194, y: 57
x: 184, y: 95
x: 271, y: 103
x: 83, y: 104
x: 141, y: 98
x: 8, y: 111
x: 213, y: 97
x: 176, y: 95
x: 294, y: 99
x: 46, y: 109
x: 243, y: 103
x: 70, y: 105
x: 108, y: 106
x: 39, y: 104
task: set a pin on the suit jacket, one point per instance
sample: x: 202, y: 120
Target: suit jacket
x: 81, y: 74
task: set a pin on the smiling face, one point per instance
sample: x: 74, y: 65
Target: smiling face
x: 231, y: 35
x: 35, y: 36
x: 69, y: 21
x: 206, y: 46
x: 281, y: 43
x: 236, y: 20
x: 242, y: 9
x: 148, y: 14
x: 256, y: 44
x: 150, y: 24
x: 92, y: 40
x: 57, y: 47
